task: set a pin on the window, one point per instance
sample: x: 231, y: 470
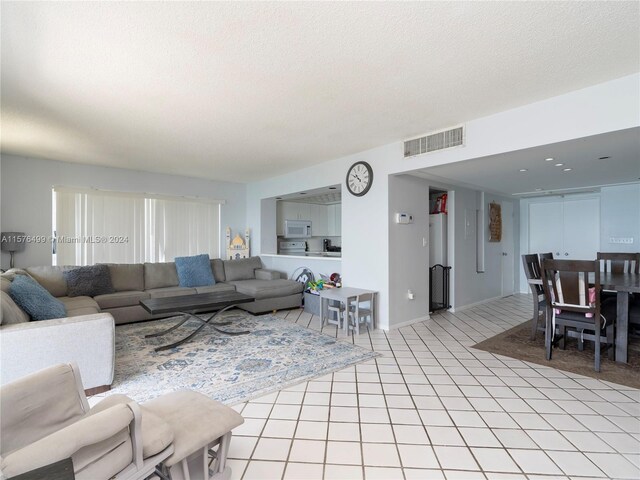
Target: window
x: 95, y: 226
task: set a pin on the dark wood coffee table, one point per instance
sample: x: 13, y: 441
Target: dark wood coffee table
x: 188, y: 305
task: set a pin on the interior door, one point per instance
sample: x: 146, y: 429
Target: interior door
x: 507, y: 249
x: 545, y: 227
x: 581, y: 229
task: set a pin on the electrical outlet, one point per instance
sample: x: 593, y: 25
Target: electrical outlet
x: 424, y: 241
x: 410, y: 295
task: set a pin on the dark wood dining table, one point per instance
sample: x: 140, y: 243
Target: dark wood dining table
x: 623, y: 284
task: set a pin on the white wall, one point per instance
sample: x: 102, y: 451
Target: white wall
x: 408, y: 255
x: 610, y: 106
x: 27, y: 201
x: 620, y: 217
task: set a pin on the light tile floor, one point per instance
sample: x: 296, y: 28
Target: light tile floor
x: 432, y: 407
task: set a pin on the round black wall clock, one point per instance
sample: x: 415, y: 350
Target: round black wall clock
x: 359, y: 178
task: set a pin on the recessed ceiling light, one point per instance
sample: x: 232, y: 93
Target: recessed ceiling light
x: 523, y: 170
x: 538, y: 189
x: 549, y: 159
x: 566, y: 169
x: 603, y: 158
x: 332, y: 188
x: 303, y: 193
x: 559, y: 164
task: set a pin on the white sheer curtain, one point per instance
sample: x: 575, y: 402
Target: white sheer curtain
x: 94, y: 226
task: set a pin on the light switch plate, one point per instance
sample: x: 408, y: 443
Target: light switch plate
x: 621, y: 240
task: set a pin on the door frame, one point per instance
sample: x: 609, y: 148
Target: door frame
x: 511, y: 252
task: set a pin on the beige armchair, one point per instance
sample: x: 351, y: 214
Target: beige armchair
x: 45, y: 418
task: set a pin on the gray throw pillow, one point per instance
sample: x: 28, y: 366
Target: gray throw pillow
x: 88, y: 281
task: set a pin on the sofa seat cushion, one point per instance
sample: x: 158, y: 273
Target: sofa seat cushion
x: 260, y: 289
x: 77, y: 306
x: 120, y: 299
x: 217, y: 288
x: 170, y: 292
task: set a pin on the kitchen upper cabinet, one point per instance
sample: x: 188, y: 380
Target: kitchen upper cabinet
x: 334, y: 220
x: 326, y: 220
x: 568, y: 227
x: 319, y: 220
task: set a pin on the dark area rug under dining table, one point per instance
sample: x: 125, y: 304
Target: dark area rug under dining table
x: 516, y: 343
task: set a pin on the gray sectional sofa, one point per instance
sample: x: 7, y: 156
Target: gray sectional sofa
x: 87, y: 335
x: 135, y: 282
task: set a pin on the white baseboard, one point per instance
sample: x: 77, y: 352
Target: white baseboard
x: 470, y: 305
x: 409, y: 322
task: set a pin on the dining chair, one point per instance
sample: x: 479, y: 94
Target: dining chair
x: 532, y: 272
x: 619, y: 262
x: 545, y: 256
x: 360, y: 309
x: 574, y: 308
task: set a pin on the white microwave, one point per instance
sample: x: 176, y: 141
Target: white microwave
x: 297, y: 228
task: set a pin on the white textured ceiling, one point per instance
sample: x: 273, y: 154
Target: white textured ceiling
x: 501, y: 173
x: 247, y: 90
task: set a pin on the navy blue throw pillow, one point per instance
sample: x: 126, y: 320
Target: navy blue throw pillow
x: 195, y: 271
x: 35, y: 300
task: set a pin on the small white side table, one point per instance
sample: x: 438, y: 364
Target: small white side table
x: 343, y: 295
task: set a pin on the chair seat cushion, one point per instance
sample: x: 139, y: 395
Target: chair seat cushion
x: 196, y: 421
x: 607, y: 310
x: 260, y: 289
x: 121, y: 299
x: 156, y: 433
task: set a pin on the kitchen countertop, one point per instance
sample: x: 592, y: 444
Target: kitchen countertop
x: 314, y: 255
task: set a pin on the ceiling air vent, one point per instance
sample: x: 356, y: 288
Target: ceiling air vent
x: 433, y: 142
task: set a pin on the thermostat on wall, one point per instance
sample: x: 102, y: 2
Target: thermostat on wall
x: 404, y: 218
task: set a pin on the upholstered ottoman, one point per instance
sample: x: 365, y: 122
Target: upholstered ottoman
x: 199, y: 424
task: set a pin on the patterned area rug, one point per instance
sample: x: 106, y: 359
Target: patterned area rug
x: 230, y: 369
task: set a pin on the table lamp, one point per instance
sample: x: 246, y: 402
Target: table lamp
x: 12, y: 242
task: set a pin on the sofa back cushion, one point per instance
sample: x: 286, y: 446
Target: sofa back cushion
x: 37, y: 302
x: 160, y: 275
x: 11, y: 313
x: 241, y: 269
x: 88, y: 281
x: 51, y: 278
x: 217, y: 266
x: 126, y: 277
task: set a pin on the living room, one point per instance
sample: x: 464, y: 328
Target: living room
x: 224, y: 104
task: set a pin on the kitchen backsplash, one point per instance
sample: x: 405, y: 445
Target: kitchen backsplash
x: 314, y: 244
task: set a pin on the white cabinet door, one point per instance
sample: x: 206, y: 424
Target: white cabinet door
x: 331, y: 220
x: 338, y: 221
x: 569, y: 228
x: 304, y: 211
x: 545, y: 227
x: 581, y: 229
x: 318, y: 216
